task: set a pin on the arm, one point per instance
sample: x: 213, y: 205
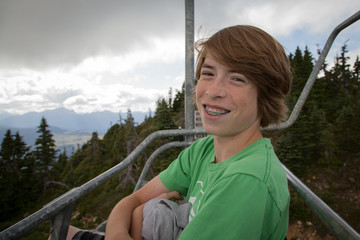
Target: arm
x: 137, y: 216
x: 120, y: 217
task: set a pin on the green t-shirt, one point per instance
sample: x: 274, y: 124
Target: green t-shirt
x: 243, y: 197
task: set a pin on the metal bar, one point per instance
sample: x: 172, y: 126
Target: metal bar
x: 60, y: 224
x: 55, y: 207
x: 311, y: 80
x: 153, y: 156
x: 189, y: 66
x: 334, y: 222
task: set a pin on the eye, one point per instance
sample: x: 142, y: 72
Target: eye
x: 238, y: 79
x: 206, y: 73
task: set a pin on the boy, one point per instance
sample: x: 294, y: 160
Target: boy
x: 233, y: 181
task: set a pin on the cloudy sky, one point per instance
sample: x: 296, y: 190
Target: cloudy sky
x: 95, y: 55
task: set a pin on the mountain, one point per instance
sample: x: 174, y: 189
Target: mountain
x: 64, y: 139
x: 68, y: 120
x: 69, y: 128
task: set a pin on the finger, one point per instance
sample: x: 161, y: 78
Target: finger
x: 175, y: 195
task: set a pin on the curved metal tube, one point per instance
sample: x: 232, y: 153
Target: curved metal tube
x: 334, y: 222
x: 153, y: 156
x: 311, y: 80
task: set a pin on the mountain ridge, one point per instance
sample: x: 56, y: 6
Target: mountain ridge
x: 70, y: 129
x: 68, y: 119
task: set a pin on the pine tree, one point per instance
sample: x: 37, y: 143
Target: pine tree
x: 45, y: 152
x: 178, y: 103
x: 302, y: 66
x: 356, y: 70
x: 59, y: 166
x: 164, y: 115
x: 7, y: 183
x: 15, y: 191
x: 6, y: 153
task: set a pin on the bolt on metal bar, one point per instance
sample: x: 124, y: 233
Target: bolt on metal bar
x: 311, y: 80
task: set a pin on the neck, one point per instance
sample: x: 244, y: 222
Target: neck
x: 227, y: 146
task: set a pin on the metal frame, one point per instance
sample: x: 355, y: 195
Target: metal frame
x: 311, y: 80
x: 59, y: 210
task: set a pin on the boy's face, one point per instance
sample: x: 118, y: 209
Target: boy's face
x: 227, y: 101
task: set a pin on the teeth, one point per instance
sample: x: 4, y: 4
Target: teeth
x: 215, y: 111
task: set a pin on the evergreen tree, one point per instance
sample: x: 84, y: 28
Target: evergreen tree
x: 164, y: 115
x: 16, y: 189
x: 45, y: 152
x: 178, y: 103
x: 302, y: 66
x: 7, y: 182
x: 20, y: 150
x: 132, y: 140
x: 60, y: 165
x: 6, y: 153
x: 356, y: 71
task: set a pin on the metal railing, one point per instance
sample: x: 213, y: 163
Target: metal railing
x: 60, y: 209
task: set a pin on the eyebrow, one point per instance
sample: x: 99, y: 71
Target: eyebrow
x: 205, y: 65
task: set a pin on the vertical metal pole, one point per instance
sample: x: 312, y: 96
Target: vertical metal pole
x: 60, y: 224
x: 189, y: 66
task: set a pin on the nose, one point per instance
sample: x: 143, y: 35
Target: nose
x: 216, y: 88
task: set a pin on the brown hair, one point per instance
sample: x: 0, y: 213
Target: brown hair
x: 260, y: 58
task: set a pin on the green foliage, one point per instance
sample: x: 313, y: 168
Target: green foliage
x: 45, y: 151
x: 17, y: 181
x: 328, y: 122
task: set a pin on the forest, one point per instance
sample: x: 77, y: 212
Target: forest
x: 322, y: 148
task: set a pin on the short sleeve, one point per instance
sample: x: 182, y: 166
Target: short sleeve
x: 177, y: 176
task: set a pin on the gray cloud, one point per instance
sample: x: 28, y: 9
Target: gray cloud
x: 42, y: 33
x: 60, y: 95
x: 136, y: 46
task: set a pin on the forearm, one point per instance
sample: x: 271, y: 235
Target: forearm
x: 118, y: 225
x: 119, y: 221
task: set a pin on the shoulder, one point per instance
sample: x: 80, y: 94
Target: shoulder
x: 204, y: 142
x: 199, y: 148
x: 257, y: 160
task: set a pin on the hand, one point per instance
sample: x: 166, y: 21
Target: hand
x: 171, y: 195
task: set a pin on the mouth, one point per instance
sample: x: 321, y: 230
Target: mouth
x: 214, y: 111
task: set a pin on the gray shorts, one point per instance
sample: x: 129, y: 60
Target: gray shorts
x: 164, y: 219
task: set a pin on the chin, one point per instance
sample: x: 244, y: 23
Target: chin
x: 214, y: 131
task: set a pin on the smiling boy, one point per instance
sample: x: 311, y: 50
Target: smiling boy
x: 233, y: 180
